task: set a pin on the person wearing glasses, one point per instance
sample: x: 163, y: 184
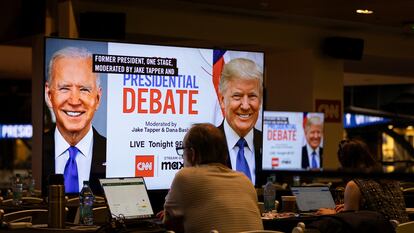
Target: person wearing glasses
x: 381, y: 195
x: 207, y: 195
x: 240, y: 97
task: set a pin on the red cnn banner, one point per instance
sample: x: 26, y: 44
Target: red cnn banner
x: 331, y: 109
x: 144, y: 165
x: 275, y: 162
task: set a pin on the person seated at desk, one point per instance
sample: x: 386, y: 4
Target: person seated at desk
x: 381, y: 195
x: 207, y: 195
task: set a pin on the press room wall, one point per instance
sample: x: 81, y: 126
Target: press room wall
x: 297, y: 73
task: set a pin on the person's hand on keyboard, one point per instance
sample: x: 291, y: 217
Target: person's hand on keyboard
x: 160, y: 215
x: 339, y: 208
x: 325, y: 211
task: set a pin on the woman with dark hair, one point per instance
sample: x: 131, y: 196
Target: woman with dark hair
x: 355, y: 155
x: 381, y: 195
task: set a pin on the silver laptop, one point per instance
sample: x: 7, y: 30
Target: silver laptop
x: 310, y: 199
x: 127, y: 198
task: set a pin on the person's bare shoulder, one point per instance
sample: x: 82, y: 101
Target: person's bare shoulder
x: 352, y: 196
x: 352, y: 187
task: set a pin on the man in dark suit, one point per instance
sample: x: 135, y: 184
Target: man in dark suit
x: 98, y: 168
x: 312, y: 152
x: 74, y: 148
x: 240, y: 95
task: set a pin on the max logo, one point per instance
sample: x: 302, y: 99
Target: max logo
x: 144, y: 165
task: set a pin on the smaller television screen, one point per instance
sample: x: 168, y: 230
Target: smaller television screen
x: 292, y: 140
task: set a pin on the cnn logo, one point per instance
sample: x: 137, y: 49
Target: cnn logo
x: 331, y: 109
x: 141, y: 166
x: 275, y: 162
x: 144, y: 165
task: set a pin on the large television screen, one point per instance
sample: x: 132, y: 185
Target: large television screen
x: 292, y: 140
x: 147, y: 98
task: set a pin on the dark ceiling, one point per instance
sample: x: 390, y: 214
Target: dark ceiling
x: 394, y: 14
x: 20, y: 20
x: 26, y: 17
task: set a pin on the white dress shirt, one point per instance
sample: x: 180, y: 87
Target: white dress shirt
x: 318, y: 157
x: 232, y: 137
x: 83, y: 159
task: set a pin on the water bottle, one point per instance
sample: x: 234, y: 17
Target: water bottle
x: 296, y: 180
x: 269, y: 195
x: 86, y: 199
x: 17, y: 190
x: 30, y: 182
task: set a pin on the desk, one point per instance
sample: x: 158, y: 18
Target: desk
x: 13, y: 208
x: 287, y: 224
x: 410, y: 212
x: 42, y: 229
x: 70, y: 214
x: 77, y: 229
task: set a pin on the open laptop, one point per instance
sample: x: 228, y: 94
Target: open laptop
x: 310, y: 199
x: 127, y: 198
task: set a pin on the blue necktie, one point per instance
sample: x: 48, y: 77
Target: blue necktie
x: 314, y: 163
x: 71, y: 172
x: 241, y: 164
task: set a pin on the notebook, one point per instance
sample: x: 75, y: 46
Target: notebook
x: 127, y: 198
x: 310, y: 199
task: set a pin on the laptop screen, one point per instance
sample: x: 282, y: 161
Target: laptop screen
x: 127, y: 197
x: 313, y: 198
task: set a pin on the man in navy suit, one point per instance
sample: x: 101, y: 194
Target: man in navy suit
x: 74, y: 148
x: 240, y: 95
x: 312, y: 152
x: 98, y: 170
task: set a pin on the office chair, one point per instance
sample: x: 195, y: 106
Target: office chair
x: 34, y: 216
x: 410, y: 189
x: 317, y: 184
x: 407, y: 227
x: 25, y: 200
x: 406, y: 185
x: 408, y: 194
x: 261, y: 231
x: 75, y: 201
x: 100, y: 215
x: 301, y: 228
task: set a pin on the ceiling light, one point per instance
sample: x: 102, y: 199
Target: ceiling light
x: 390, y: 126
x: 364, y: 11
